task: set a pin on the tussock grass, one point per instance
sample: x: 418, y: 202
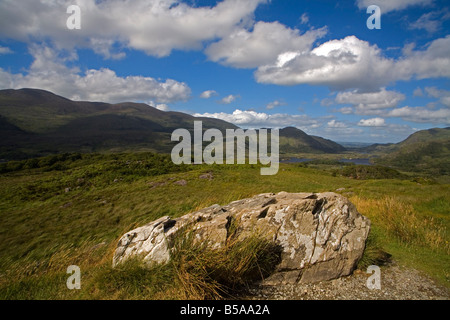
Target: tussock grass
x: 195, y: 272
x: 400, y: 220
x: 206, y: 273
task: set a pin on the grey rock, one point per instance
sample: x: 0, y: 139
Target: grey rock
x: 182, y: 183
x: 206, y: 176
x: 321, y: 236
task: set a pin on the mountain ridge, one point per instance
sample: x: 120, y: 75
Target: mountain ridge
x: 36, y: 122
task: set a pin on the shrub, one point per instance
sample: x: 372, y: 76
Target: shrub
x: 361, y: 172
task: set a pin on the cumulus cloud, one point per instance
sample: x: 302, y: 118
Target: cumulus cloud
x: 5, y: 50
x: 228, y: 99
x: 208, y: 94
x: 275, y: 104
x: 340, y: 64
x: 370, y: 102
x: 443, y: 95
x: 253, y: 119
x: 392, y: 5
x: 375, y: 122
x: 162, y: 107
x: 431, y: 21
x: 433, y: 62
x: 421, y: 115
x: 418, y: 92
x: 262, y: 45
x: 336, y: 124
x: 346, y: 110
x: 154, y: 26
x: 385, y: 103
x: 50, y: 72
x: 351, y: 63
x: 304, y: 19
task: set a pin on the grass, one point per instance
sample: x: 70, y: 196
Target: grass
x: 45, y: 229
x: 416, y: 239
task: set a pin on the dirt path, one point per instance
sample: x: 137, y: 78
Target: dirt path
x: 397, y: 283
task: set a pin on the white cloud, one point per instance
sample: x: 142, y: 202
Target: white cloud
x: 445, y: 101
x: 5, y: 50
x: 275, y: 104
x: 262, y: 45
x: 162, y: 107
x: 154, y: 26
x: 422, y: 115
x: 385, y: 103
x: 228, y: 99
x: 341, y: 64
x: 49, y: 72
x: 392, y: 5
x: 433, y: 62
x: 418, y: 92
x: 253, y: 119
x: 375, y: 122
x: 351, y: 63
x: 436, y: 93
x: 336, y: 124
x: 370, y: 102
x: 346, y: 110
x: 431, y: 21
x: 304, y: 19
x: 208, y: 94
x: 341, y: 132
x: 443, y: 95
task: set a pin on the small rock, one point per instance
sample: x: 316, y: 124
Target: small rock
x: 206, y: 176
x: 182, y: 183
x: 66, y: 190
x: 157, y: 184
x: 66, y: 205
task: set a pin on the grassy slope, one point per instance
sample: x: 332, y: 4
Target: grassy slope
x: 45, y: 229
x: 426, y: 151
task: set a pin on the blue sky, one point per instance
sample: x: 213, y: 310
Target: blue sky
x: 311, y: 64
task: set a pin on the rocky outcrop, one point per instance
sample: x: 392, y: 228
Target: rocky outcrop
x: 322, y: 236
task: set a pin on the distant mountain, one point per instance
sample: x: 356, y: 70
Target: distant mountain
x: 36, y: 122
x: 293, y: 140
x: 424, y: 151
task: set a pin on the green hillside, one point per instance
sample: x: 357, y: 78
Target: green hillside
x: 293, y: 140
x: 426, y: 151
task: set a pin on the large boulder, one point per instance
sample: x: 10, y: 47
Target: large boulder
x: 322, y: 236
